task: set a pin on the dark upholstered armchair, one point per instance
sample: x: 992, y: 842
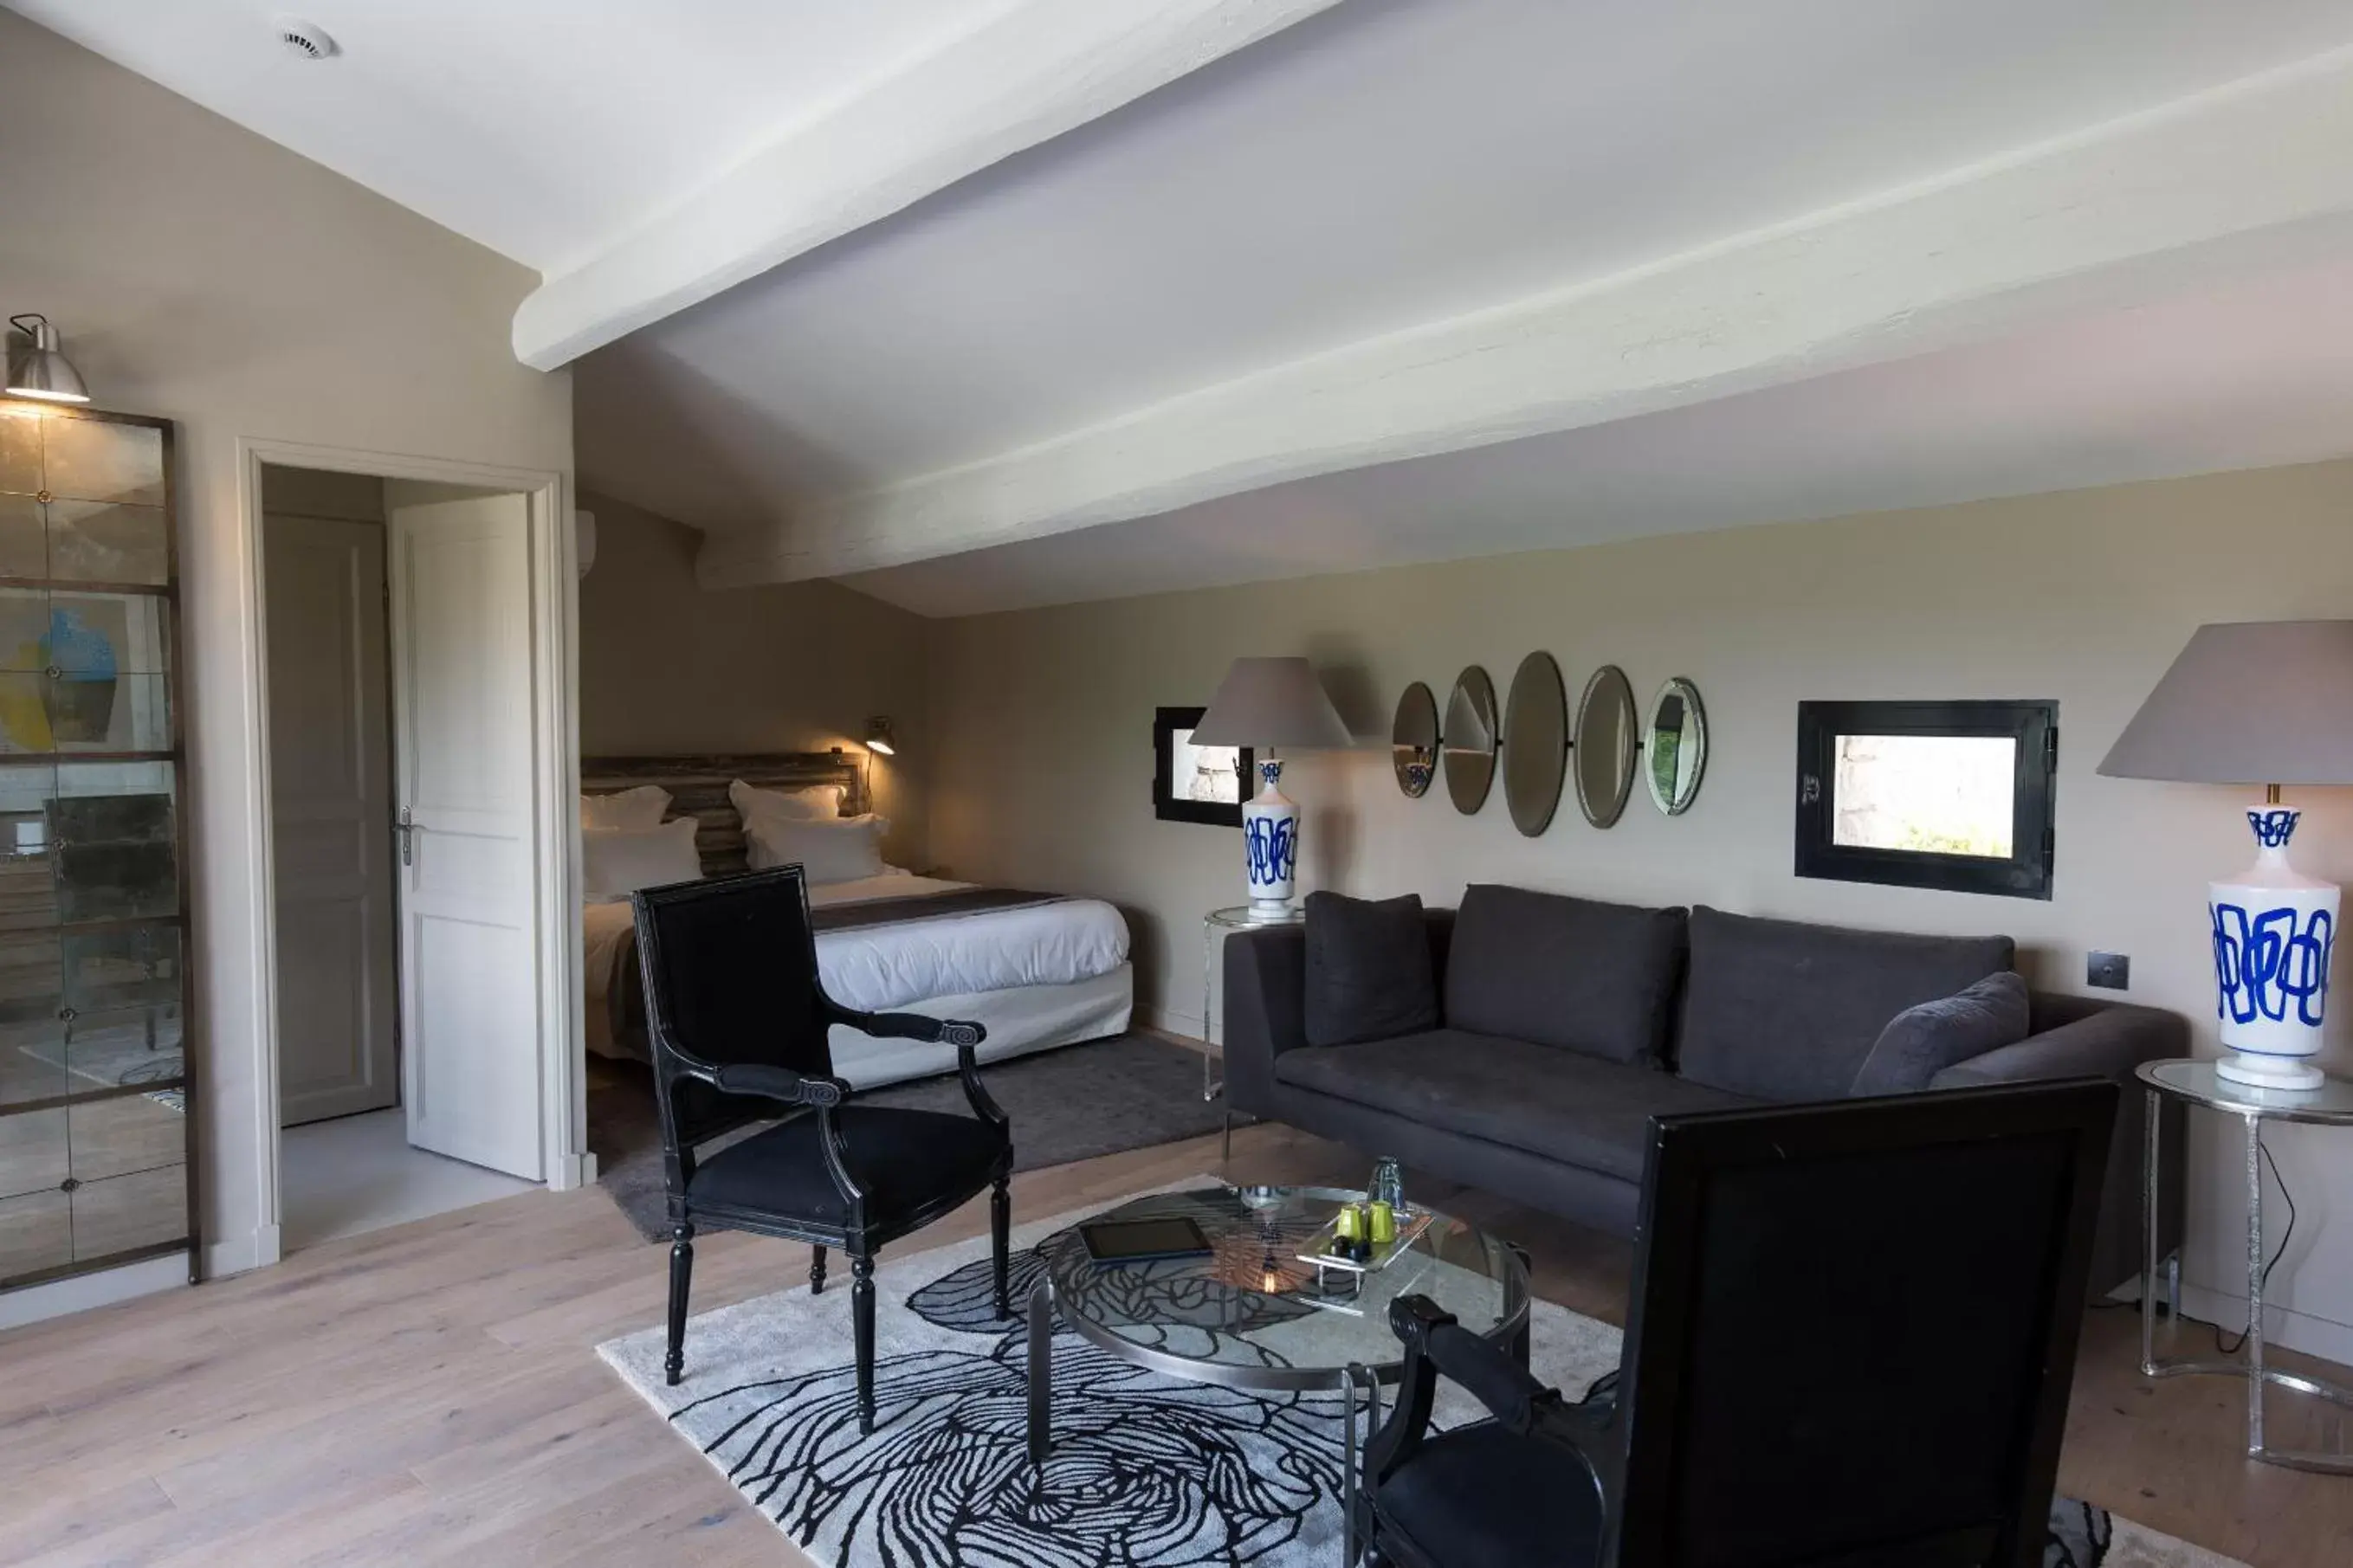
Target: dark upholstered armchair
x: 738, y: 1021
x: 1850, y: 1344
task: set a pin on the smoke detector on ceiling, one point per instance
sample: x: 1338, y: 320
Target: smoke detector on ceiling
x: 306, y: 39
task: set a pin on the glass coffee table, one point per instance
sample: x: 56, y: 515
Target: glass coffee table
x: 1251, y: 1315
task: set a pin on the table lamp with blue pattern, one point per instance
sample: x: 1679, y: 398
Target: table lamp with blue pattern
x: 2270, y: 703
x: 1265, y: 703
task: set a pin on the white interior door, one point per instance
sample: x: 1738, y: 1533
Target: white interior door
x: 331, y: 814
x: 462, y: 691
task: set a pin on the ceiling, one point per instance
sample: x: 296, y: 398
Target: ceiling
x: 540, y: 128
x: 1395, y: 161
x: 2250, y: 375
x: 1047, y: 360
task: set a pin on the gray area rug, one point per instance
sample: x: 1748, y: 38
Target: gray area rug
x: 1070, y: 1103
x: 1147, y: 1471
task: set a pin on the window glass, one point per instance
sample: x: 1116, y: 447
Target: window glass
x: 1942, y: 795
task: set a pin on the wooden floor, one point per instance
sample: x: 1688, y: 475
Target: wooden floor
x: 429, y: 1395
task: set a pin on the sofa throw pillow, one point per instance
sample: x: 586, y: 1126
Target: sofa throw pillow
x: 844, y: 849
x: 1786, y: 1010
x: 616, y: 861
x: 633, y: 810
x: 1921, y: 1042
x: 1591, y: 977
x: 1368, y: 970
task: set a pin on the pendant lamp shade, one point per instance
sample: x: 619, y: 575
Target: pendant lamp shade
x: 37, y: 366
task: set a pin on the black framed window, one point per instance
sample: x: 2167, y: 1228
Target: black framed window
x: 1195, y: 784
x: 1953, y: 795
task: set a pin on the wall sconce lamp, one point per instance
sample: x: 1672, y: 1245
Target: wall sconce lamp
x: 37, y: 366
x: 879, y: 736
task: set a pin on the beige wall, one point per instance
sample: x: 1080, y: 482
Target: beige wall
x: 205, y: 274
x: 667, y: 667
x: 1043, y: 720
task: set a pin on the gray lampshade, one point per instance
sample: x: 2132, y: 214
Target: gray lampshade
x: 1271, y: 702
x: 2252, y: 702
x: 37, y: 366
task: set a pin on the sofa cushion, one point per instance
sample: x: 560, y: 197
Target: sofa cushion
x: 1368, y: 970
x: 1562, y: 1105
x: 1584, y: 976
x: 1788, y: 1011
x: 1922, y: 1041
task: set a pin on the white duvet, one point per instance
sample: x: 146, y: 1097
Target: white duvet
x: 878, y: 968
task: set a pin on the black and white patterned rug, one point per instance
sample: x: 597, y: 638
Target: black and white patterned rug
x: 1146, y: 1472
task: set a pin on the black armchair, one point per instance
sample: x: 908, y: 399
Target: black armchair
x: 737, y: 1021
x: 1850, y: 1343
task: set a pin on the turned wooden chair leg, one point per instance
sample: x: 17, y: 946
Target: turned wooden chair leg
x: 861, y: 1305
x: 816, y: 1270
x: 682, y: 1271
x: 1000, y: 1235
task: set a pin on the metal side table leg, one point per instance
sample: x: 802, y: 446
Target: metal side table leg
x: 1356, y: 1377
x: 1212, y: 1085
x: 1041, y: 1371
x: 2149, y: 1167
x: 2254, y: 1286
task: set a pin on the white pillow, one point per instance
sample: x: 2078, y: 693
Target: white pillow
x: 616, y: 862
x: 818, y: 803
x: 842, y: 850
x: 634, y: 809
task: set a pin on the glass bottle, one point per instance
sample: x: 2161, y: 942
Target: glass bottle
x: 1388, y: 1186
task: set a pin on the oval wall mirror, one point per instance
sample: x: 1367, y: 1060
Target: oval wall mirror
x: 1675, y: 754
x: 1468, y: 746
x: 1413, y: 740
x: 1535, y: 721
x: 1607, y: 731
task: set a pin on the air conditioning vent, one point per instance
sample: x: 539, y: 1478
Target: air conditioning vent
x: 306, y: 39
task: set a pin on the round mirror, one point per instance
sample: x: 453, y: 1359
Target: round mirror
x: 1675, y: 753
x: 1468, y: 746
x: 1536, y: 720
x: 1607, y: 730
x: 1413, y: 740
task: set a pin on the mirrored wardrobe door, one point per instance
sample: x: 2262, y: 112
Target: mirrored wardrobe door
x: 94, y: 1084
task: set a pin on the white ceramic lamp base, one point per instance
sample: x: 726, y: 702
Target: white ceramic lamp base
x: 2275, y: 930
x: 1271, y: 846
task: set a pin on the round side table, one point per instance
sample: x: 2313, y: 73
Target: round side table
x: 1215, y: 926
x: 2196, y: 1083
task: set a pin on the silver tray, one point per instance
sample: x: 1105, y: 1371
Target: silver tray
x: 1410, y: 1224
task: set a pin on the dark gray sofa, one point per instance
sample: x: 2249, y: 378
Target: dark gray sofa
x: 1566, y: 1025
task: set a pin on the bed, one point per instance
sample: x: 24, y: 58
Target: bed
x: 1038, y: 970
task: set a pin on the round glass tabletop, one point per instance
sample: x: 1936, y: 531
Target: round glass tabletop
x: 1244, y: 915
x: 2198, y: 1082
x: 1252, y: 1315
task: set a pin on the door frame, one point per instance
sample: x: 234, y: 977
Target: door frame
x: 555, y: 777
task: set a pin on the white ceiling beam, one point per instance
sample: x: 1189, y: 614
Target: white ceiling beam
x: 2122, y: 212
x: 1023, y: 77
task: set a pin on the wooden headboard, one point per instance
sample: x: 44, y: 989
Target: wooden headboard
x: 698, y: 788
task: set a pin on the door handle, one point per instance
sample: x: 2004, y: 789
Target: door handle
x: 407, y: 830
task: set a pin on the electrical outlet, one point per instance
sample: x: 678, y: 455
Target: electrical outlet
x: 2109, y: 971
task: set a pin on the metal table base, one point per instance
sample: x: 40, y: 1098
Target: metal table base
x: 2250, y: 1364
x: 1360, y: 1419
x: 1349, y: 1381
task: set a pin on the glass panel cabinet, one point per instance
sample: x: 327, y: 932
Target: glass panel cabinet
x: 96, y: 1126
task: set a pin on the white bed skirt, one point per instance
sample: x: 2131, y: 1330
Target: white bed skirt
x: 1020, y: 1020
